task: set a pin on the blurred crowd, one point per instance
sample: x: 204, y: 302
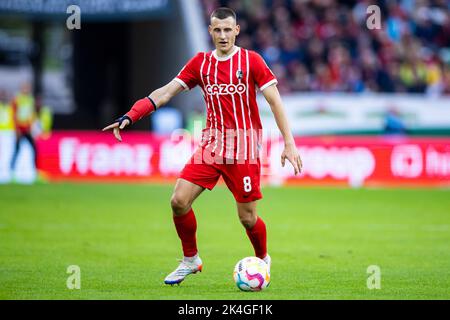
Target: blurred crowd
x: 326, y: 46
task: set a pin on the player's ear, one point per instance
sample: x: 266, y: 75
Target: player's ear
x: 238, y: 29
x: 210, y: 29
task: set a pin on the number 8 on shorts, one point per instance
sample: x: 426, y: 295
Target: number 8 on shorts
x: 247, y: 184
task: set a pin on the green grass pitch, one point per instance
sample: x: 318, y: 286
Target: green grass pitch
x: 321, y: 240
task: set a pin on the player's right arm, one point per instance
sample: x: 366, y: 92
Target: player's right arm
x: 145, y: 106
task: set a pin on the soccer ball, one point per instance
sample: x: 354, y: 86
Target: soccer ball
x: 251, y: 274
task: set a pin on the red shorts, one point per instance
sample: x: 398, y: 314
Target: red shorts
x: 242, y: 178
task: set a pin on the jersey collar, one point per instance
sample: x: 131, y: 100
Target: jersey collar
x: 236, y: 49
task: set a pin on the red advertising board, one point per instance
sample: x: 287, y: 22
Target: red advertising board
x: 356, y: 161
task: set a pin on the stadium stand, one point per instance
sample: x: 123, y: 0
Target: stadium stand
x: 325, y: 45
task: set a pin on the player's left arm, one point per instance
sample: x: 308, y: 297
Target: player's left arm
x: 290, y: 152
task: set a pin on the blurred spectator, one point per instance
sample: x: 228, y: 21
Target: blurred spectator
x: 167, y: 121
x: 24, y: 114
x: 393, y: 122
x: 6, y: 112
x: 45, y: 119
x: 326, y: 46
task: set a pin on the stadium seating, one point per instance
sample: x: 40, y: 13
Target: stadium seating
x: 326, y: 46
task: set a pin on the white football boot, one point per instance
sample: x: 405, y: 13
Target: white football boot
x: 267, y: 259
x: 187, y: 266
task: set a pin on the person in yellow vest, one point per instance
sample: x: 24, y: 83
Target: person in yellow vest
x: 45, y: 119
x: 6, y: 112
x: 24, y: 114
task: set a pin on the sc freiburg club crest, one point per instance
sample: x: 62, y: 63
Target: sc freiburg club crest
x: 239, y: 74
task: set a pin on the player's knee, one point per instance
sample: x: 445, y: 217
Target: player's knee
x: 248, y: 221
x: 179, y: 204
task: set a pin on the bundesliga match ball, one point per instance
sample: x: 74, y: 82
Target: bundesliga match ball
x: 251, y: 274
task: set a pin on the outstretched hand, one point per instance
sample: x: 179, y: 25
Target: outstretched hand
x: 290, y: 152
x: 117, y: 126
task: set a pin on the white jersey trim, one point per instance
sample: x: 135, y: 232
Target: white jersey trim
x: 208, y: 107
x: 221, y: 115
x: 234, y: 113
x: 252, y: 147
x: 213, y: 106
x: 242, y: 111
x: 184, y: 85
x: 236, y: 49
x: 268, y: 84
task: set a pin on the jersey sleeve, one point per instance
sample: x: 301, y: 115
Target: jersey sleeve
x: 189, y: 75
x: 262, y: 75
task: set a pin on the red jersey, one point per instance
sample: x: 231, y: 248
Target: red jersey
x: 233, y: 125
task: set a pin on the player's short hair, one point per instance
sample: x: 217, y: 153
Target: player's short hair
x: 223, y: 13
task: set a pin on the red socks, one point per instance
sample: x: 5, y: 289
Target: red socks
x: 258, y: 238
x: 186, y: 226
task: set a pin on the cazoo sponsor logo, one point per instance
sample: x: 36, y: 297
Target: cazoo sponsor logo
x: 223, y: 89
